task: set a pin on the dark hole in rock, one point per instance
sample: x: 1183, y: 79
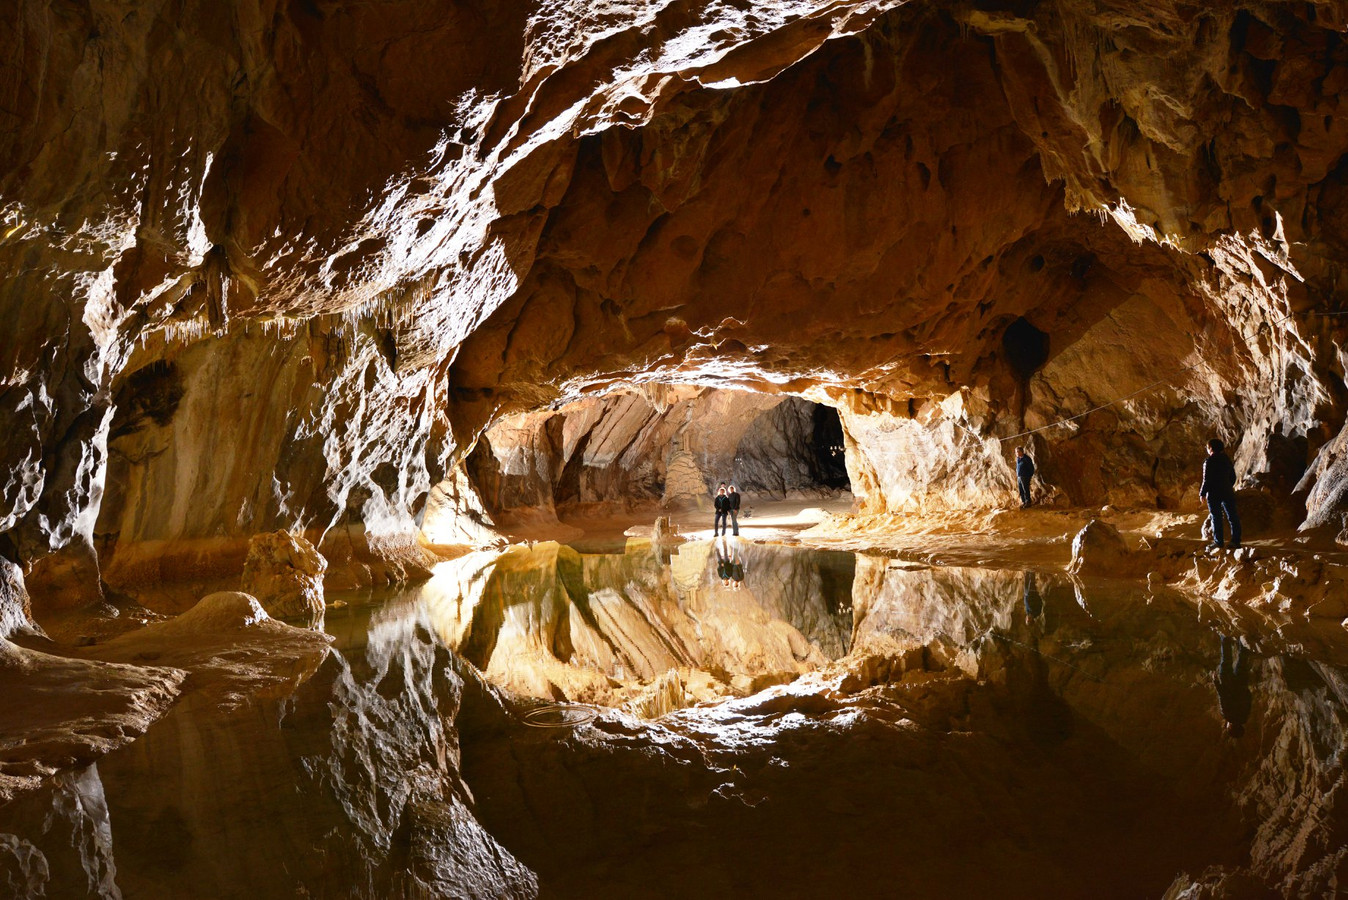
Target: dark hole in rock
x: 829, y: 453
x: 1026, y: 348
x: 149, y: 395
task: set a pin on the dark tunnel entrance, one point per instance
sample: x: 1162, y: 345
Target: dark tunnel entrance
x: 1026, y: 348
x: 830, y: 458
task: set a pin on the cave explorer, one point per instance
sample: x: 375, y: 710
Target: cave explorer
x: 722, y: 510
x: 1024, y: 472
x: 1219, y: 492
x: 736, y: 567
x: 1233, y: 686
x: 734, y: 496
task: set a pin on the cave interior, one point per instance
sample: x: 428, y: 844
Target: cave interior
x: 368, y: 371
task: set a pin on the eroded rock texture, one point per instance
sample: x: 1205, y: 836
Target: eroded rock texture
x: 285, y: 574
x: 673, y: 447
x: 277, y: 265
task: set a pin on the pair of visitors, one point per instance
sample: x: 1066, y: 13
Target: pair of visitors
x: 729, y: 566
x: 1218, y: 490
x: 727, y: 505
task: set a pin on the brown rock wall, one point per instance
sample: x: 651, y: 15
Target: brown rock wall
x: 280, y: 265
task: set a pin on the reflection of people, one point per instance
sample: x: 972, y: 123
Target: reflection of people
x: 722, y: 509
x: 1034, y: 603
x: 734, y: 496
x: 1024, y: 472
x: 737, y: 568
x: 723, y: 568
x: 1219, y: 490
x: 1233, y: 686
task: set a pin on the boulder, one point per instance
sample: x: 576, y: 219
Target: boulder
x: 1099, y: 549
x: 285, y: 573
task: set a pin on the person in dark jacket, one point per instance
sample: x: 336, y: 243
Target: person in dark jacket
x: 1219, y: 492
x: 722, y: 510
x: 1233, y: 686
x: 1024, y: 472
x: 734, y: 496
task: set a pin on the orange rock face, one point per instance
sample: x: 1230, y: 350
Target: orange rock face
x: 281, y: 265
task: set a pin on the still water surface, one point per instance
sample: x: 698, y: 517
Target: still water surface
x: 1051, y: 739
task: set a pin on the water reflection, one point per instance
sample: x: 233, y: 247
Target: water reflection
x: 1233, y: 685
x: 346, y: 787
x: 726, y: 616
x: 1034, y: 603
x: 1083, y: 759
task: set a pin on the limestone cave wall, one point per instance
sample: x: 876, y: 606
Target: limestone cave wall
x: 284, y: 264
x: 633, y: 450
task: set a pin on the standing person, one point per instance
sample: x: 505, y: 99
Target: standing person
x: 734, y: 497
x: 1219, y: 492
x: 722, y: 510
x: 1024, y: 472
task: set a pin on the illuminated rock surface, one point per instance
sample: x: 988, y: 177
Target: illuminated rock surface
x: 280, y: 270
x: 285, y: 574
x: 407, y: 279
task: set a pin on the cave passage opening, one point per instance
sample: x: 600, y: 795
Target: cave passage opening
x: 830, y: 448
x: 635, y: 451
x: 1026, y: 348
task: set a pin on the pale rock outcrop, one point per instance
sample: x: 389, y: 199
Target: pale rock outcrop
x: 234, y: 650
x: 15, y: 607
x: 1099, y: 549
x: 285, y: 573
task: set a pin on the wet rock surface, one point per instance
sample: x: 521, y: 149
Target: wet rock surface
x: 1079, y: 727
x: 62, y: 714
x: 343, y: 783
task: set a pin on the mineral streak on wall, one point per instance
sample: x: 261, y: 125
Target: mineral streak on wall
x: 280, y: 265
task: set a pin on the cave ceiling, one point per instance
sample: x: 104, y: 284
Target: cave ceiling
x: 358, y: 233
